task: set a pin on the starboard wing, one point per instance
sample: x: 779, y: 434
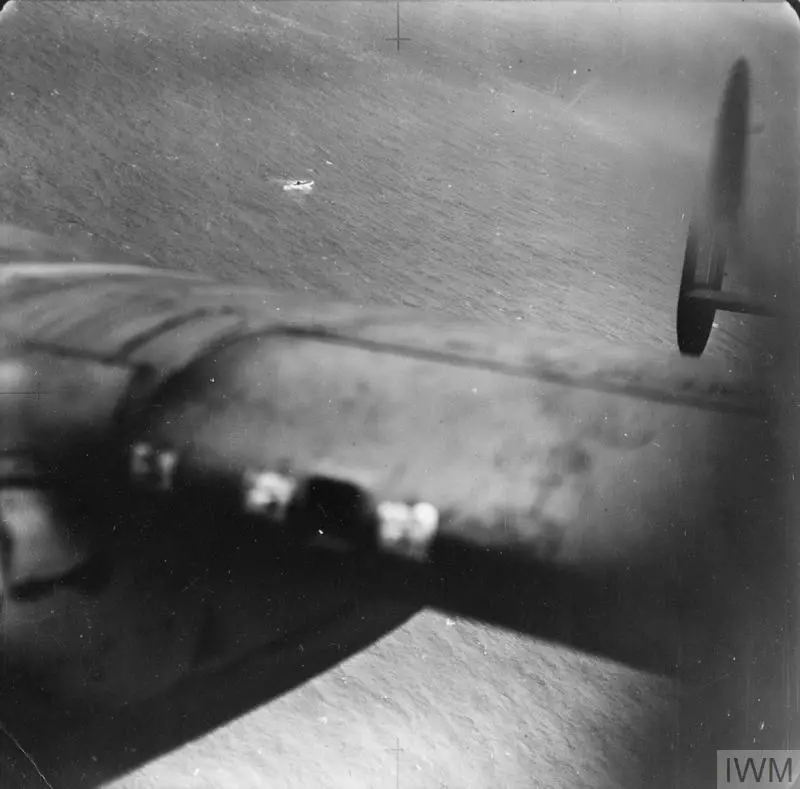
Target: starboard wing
x: 438, y: 449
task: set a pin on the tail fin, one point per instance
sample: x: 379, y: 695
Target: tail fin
x: 729, y: 156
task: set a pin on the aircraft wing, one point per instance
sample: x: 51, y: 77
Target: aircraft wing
x: 516, y: 433
x: 516, y: 440
x: 388, y: 455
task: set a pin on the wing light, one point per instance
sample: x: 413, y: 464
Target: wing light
x: 402, y: 529
x: 153, y: 468
x: 267, y: 493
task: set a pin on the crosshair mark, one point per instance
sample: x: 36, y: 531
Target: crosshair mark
x: 397, y: 37
x: 396, y: 751
x: 37, y: 392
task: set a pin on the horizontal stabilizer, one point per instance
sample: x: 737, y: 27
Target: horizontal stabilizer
x: 730, y: 302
